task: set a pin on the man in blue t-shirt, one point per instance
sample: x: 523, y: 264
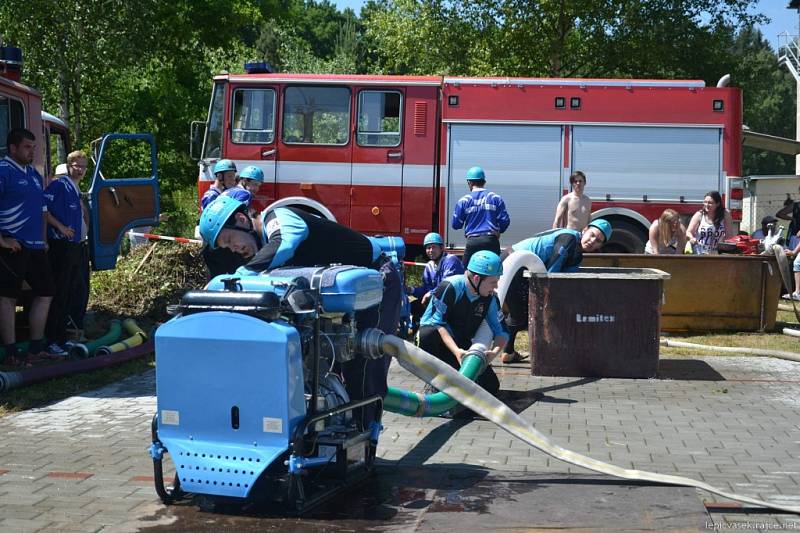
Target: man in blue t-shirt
x: 23, y: 255
x: 482, y: 214
x: 65, y: 224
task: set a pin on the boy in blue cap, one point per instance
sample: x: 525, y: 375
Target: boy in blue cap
x: 561, y: 250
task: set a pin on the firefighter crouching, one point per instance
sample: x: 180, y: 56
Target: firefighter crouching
x: 287, y: 236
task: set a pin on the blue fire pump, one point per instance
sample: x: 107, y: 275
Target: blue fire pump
x: 249, y: 406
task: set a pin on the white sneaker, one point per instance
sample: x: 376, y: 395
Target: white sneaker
x: 56, y: 349
x: 793, y: 296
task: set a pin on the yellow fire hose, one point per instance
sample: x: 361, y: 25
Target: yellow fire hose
x: 137, y: 337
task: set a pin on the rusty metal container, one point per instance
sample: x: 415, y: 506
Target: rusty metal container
x: 709, y: 292
x: 601, y: 322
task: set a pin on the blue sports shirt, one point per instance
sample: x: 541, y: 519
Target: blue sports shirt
x: 449, y: 265
x: 559, y: 249
x: 64, y: 203
x: 437, y: 310
x: 22, y: 204
x: 479, y: 212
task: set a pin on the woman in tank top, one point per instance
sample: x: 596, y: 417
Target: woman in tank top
x: 667, y: 234
x: 710, y: 226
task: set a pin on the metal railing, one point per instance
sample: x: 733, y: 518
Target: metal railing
x: 789, y: 53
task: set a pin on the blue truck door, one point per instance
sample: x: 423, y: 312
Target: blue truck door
x: 117, y: 202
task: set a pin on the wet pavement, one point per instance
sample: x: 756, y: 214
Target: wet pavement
x: 82, y: 464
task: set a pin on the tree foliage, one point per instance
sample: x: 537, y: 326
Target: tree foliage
x: 118, y: 65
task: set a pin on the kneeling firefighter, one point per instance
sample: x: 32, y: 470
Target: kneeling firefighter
x: 287, y: 236
x: 458, y: 307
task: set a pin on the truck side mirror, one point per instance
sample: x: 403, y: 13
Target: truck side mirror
x: 196, y: 136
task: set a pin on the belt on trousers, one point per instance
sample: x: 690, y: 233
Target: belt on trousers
x: 484, y: 234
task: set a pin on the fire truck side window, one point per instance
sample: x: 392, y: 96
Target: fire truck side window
x: 316, y: 115
x: 12, y: 115
x: 379, y: 115
x: 253, y: 116
x: 212, y: 147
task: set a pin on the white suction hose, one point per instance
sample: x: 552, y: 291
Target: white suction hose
x: 512, y: 264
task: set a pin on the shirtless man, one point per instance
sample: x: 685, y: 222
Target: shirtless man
x: 575, y: 208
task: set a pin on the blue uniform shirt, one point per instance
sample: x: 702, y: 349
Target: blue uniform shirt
x: 479, y: 212
x: 559, y: 249
x: 64, y: 203
x: 209, y: 196
x: 22, y: 204
x: 239, y: 193
x: 437, y: 311
x: 449, y: 265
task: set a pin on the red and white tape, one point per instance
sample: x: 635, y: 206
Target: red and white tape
x: 154, y: 237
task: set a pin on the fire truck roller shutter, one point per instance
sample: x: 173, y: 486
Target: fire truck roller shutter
x: 664, y: 163
x: 522, y: 163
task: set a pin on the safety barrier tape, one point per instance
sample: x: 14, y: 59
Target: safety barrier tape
x: 153, y: 237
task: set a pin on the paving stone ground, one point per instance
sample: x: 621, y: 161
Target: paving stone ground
x: 82, y: 464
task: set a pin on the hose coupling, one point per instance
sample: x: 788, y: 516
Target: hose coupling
x: 369, y: 343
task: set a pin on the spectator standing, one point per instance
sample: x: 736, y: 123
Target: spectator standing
x: 791, y: 211
x: 710, y: 226
x: 23, y: 255
x: 575, y: 208
x: 66, y: 225
x: 482, y: 214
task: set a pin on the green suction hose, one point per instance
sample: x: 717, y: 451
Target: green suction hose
x: 82, y: 351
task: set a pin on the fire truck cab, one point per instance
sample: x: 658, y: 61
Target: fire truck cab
x: 388, y: 154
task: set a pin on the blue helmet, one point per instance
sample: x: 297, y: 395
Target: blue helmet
x: 224, y: 165
x: 433, y: 238
x: 603, y: 226
x: 485, y: 263
x: 215, y: 216
x: 252, y: 173
x: 475, y: 174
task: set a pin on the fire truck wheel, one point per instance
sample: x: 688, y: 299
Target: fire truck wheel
x: 628, y: 237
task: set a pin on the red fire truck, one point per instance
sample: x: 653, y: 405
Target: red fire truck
x: 21, y: 107
x: 388, y: 154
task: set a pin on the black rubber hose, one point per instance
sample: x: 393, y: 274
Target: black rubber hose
x: 29, y: 376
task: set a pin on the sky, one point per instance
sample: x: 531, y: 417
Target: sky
x: 782, y: 19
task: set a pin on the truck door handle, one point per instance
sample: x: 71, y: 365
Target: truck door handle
x: 267, y: 153
x: 113, y: 192
x: 395, y: 154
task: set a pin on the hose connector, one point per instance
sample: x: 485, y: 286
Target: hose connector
x: 369, y: 343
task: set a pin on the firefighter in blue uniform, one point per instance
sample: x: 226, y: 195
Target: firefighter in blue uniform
x: 482, y: 214
x: 458, y: 307
x: 287, y: 236
x: 561, y: 250
x: 250, y: 179
x: 441, y: 265
x: 224, y: 178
